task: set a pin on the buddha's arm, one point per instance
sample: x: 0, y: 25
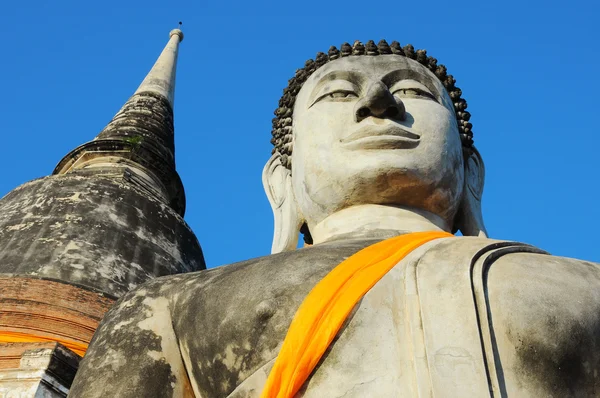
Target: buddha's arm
x: 134, y: 352
x: 545, y: 315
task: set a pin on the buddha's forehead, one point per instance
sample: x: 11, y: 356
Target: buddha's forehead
x: 380, y: 67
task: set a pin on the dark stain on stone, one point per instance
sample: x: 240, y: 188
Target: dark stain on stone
x: 564, y: 367
x: 68, y: 227
x: 247, y: 307
x: 122, y: 354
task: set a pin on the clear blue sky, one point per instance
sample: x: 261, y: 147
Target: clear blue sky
x: 529, y: 71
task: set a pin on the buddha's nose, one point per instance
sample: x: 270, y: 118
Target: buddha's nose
x: 380, y: 103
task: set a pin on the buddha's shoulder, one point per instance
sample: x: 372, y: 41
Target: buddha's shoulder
x: 537, y: 314
x: 271, y: 272
x: 503, y: 256
x: 311, y: 264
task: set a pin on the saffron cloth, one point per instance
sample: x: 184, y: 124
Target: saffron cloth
x: 324, y: 310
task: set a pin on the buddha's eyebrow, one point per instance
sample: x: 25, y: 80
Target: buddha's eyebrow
x: 404, y: 74
x: 351, y: 76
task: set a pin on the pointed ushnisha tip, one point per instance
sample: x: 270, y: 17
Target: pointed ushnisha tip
x: 177, y: 32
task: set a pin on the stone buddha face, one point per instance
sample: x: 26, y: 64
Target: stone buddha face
x: 372, y: 130
x: 375, y: 130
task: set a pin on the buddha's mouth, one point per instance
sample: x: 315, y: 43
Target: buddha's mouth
x: 390, y: 135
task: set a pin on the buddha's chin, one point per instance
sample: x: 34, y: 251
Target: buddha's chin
x: 362, y: 182
x: 374, y: 159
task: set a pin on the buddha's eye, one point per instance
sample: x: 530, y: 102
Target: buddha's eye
x: 342, y: 94
x: 337, y: 96
x: 414, y: 93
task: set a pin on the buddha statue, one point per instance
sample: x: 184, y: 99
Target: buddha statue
x: 370, y: 142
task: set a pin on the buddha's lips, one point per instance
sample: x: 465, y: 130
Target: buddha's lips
x: 390, y: 130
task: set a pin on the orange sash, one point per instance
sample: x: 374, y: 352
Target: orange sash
x: 327, y: 306
x: 17, y: 337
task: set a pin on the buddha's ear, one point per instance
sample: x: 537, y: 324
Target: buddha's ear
x: 277, y: 181
x: 470, y: 218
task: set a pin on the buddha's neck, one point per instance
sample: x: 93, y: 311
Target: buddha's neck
x: 376, y: 221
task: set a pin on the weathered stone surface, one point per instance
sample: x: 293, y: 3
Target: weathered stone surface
x: 97, y: 231
x: 140, y: 133
x: 242, y: 332
x: 423, y: 329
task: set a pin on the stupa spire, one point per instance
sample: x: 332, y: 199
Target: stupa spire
x: 140, y: 136
x: 161, y: 78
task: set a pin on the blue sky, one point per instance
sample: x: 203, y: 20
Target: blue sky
x: 527, y: 69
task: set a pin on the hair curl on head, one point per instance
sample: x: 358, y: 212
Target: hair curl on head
x: 282, y: 123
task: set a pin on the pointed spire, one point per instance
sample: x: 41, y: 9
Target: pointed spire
x: 141, y: 134
x: 161, y: 78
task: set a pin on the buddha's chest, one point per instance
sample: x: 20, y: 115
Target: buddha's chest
x: 381, y: 351
x: 446, y: 323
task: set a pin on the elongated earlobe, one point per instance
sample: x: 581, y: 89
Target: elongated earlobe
x: 470, y: 218
x: 277, y: 181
